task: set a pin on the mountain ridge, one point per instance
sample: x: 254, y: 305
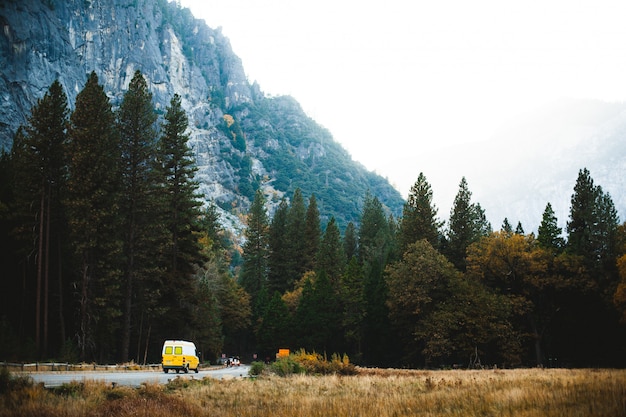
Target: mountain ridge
x: 535, y: 159
x: 241, y: 138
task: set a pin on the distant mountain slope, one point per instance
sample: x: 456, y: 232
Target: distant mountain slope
x: 242, y: 138
x: 536, y: 159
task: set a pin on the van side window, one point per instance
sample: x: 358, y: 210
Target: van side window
x: 168, y: 350
x: 178, y: 350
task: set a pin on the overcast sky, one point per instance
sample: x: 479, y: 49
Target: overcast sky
x: 398, y: 81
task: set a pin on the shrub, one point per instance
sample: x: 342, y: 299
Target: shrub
x: 10, y: 382
x: 313, y: 363
x: 257, y: 368
x: 287, y: 366
x: 74, y: 389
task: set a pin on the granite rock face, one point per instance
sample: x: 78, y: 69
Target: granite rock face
x: 237, y: 133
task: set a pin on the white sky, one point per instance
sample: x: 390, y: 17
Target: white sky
x: 398, y: 81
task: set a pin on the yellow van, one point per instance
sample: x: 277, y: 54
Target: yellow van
x: 179, y: 355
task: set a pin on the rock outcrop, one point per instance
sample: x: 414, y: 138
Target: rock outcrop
x: 242, y: 139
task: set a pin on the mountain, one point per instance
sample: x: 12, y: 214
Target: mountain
x: 242, y: 138
x: 535, y: 159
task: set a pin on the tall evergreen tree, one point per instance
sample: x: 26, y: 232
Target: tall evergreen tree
x: 40, y: 175
x: 296, y: 246
x: 467, y: 224
x: 374, y: 249
x: 175, y: 169
x: 312, y: 235
x: 136, y: 123
x: 593, y: 225
x: 319, y: 316
x: 519, y: 229
x: 482, y: 225
x: 274, y: 331
x: 351, y: 297
x: 591, y: 233
x: 506, y: 227
x: 331, y: 257
x: 580, y: 227
x: 278, y: 262
x: 93, y: 199
x: 255, y: 250
x: 350, y: 241
x: 419, y: 216
x: 549, y: 233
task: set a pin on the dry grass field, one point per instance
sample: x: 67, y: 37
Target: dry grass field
x: 380, y: 393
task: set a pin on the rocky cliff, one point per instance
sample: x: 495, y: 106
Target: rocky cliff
x: 242, y: 138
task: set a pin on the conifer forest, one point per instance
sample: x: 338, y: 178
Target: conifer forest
x: 108, y: 249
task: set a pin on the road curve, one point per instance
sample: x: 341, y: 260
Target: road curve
x: 132, y: 378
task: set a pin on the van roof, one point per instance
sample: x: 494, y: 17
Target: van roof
x: 177, y: 342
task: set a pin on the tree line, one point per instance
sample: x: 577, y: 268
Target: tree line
x: 108, y: 250
x: 411, y: 292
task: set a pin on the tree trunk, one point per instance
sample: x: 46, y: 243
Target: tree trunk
x: 61, y: 315
x: 46, y: 277
x: 145, y: 354
x: 139, y: 337
x: 84, y: 315
x: 130, y: 270
x: 39, y: 273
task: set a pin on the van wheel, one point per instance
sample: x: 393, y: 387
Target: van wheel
x: 187, y: 369
x: 196, y: 369
x: 166, y: 370
x: 178, y: 370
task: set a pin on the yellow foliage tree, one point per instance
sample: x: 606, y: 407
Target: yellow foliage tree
x: 229, y: 120
x: 619, y: 298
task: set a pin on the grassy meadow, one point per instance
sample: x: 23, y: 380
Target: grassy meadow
x: 380, y: 393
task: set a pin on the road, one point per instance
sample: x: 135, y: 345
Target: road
x: 133, y: 378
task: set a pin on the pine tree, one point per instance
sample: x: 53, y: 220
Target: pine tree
x: 481, y: 224
x: 207, y: 329
x: 175, y: 169
x: 274, y: 331
x: 312, y: 235
x: 467, y: 224
x: 419, y: 216
x: 374, y: 249
x: 319, y: 316
x: 40, y: 175
x: 278, y: 260
x: 136, y: 123
x: 331, y: 258
x: 352, y: 299
x: 210, y: 224
x: 506, y: 227
x: 93, y: 199
x: 549, y: 233
x: 350, y: 241
x: 593, y: 224
x: 580, y: 227
x: 374, y: 231
x: 296, y: 245
x: 255, y: 250
x: 591, y: 237
x: 519, y: 229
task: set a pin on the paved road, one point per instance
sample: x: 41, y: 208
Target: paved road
x: 133, y: 378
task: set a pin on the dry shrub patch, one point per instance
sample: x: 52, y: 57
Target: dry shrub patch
x: 303, y: 362
x: 380, y: 393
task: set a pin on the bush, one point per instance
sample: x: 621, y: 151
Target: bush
x: 287, y: 366
x: 313, y: 363
x: 256, y: 368
x: 9, y: 382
